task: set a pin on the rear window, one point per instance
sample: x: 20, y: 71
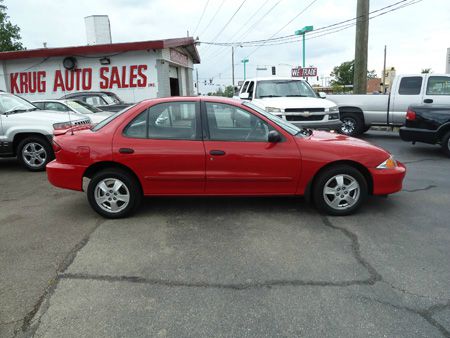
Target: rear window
x: 410, y: 85
x: 438, y: 85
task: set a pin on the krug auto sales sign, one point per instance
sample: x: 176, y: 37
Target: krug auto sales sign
x: 106, y: 78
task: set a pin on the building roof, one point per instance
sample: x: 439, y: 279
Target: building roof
x: 104, y: 50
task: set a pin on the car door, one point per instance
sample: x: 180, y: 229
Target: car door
x: 408, y: 92
x: 239, y: 158
x: 437, y: 90
x: 163, y: 146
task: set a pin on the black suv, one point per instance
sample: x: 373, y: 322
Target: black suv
x: 106, y: 101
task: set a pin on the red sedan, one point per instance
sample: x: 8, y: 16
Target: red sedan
x: 212, y: 146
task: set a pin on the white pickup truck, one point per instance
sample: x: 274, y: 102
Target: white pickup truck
x: 293, y: 100
x: 360, y: 112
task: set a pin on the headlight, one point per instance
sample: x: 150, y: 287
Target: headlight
x: 273, y: 110
x: 62, y: 125
x: 390, y: 163
x: 334, y: 109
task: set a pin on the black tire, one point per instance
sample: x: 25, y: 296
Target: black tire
x: 445, y: 144
x: 352, y: 124
x: 34, y: 153
x: 111, y: 197
x: 329, y: 176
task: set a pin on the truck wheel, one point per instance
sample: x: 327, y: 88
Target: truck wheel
x: 352, y: 124
x: 34, y: 153
x: 113, y: 193
x: 445, y: 144
x: 339, y: 190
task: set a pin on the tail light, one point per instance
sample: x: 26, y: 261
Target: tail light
x: 410, y: 115
x: 56, y: 146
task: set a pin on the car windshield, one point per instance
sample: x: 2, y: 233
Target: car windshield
x: 283, y: 88
x: 10, y: 104
x: 111, y: 98
x: 88, y: 106
x: 78, y: 107
x: 289, y: 127
x: 103, y: 123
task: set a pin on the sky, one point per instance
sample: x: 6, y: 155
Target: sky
x: 416, y: 36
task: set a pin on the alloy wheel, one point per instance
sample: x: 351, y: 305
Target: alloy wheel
x: 348, y: 125
x: 341, y: 192
x: 34, y: 154
x: 112, y: 195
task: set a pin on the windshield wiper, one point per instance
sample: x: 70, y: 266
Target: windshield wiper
x: 296, y: 95
x: 261, y: 96
x: 305, y: 131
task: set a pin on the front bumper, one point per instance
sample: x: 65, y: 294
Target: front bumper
x: 65, y: 176
x: 328, y: 125
x: 388, y: 181
x: 418, y: 135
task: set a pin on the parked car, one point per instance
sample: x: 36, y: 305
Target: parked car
x: 360, y: 112
x: 428, y: 124
x: 96, y: 115
x: 26, y: 131
x: 106, y: 101
x: 292, y: 100
x: 215, y: 146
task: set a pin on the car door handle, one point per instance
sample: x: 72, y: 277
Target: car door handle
x: 428, y: 101
x: 217, y: 152
x: 126, y: 151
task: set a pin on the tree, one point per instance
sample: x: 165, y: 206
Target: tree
x: 9, y: 33
x: 426, y: 70
x: 343, y: 75
x: 229, y: 91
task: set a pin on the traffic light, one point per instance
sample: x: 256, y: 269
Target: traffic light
x: 274, y: 71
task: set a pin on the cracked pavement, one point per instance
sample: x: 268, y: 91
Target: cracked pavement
x: 244, y: 267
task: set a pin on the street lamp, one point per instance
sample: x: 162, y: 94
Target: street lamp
x: 244, y: 61
x: 303, y: 32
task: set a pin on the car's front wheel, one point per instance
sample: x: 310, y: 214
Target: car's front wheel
x: 114, y: 193
x: 445, y: 144
x: 339, y: 190
x: 352, y: 124
x: 34, y: 153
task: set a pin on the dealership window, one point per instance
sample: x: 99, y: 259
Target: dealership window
x: 230, y: 123
x: 438, y: 85
x: 168, y: 121
x: 410, y: 85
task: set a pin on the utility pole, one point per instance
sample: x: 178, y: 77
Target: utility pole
x: 232, y: 65
x: 361, y: 42
x: 303, y: 31
x: 384, y: 71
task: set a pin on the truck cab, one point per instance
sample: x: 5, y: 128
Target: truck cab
x: 293, y: 100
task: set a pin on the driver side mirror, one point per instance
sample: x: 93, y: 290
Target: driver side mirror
x: 244, y: 96
x: 274, y: 137
x: 322, y: 95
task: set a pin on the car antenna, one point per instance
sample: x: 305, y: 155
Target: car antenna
x: 71, y: 126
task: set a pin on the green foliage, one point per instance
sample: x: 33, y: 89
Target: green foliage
x: 228, y: 92
x: 343, y: 75
x: 371, y: 74
x: 9, y: 33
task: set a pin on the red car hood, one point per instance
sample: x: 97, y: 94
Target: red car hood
x: 334, y: 147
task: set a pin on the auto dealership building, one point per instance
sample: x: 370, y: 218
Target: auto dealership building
x: 133, y: 70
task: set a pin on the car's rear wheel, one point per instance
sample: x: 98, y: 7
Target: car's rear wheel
x: 352, y: 124
x: 34, y: 153
x: 445, y: 144
x: 339, y: 190
x: 113, y: 193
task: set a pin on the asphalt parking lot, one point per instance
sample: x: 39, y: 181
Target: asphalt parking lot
x: 228, y: 267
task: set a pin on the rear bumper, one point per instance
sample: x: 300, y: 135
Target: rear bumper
x: 388, y: 181
x: 418, y: 135
x: 65, y: 176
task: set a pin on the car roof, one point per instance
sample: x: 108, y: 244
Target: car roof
x: 267, y: 78
x: 88, y: 93
x: 218, y: 99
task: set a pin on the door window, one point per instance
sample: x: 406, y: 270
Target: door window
x: 167, y: 121
x: 56, y: 106
x: 230, y: 123
x: 438, y: 85
x: 94, y: 100
x: 244, y: 87
x: 410, y: 85
x: 250, y: 89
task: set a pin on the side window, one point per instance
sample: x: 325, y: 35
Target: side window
x: 410, y: 85
x: 40, y: 105
x: 244, y: 87
x: 438, y: 85
x: 55, y: 106
x: 250, y: 89
x: 94, y: 100
x: 230, y: 123
x: 137, y: 128
x: 174, y: 121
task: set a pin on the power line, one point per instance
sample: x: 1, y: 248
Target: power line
x: 201, y: 17
x: 212, y: 18
x: 228, y: 22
